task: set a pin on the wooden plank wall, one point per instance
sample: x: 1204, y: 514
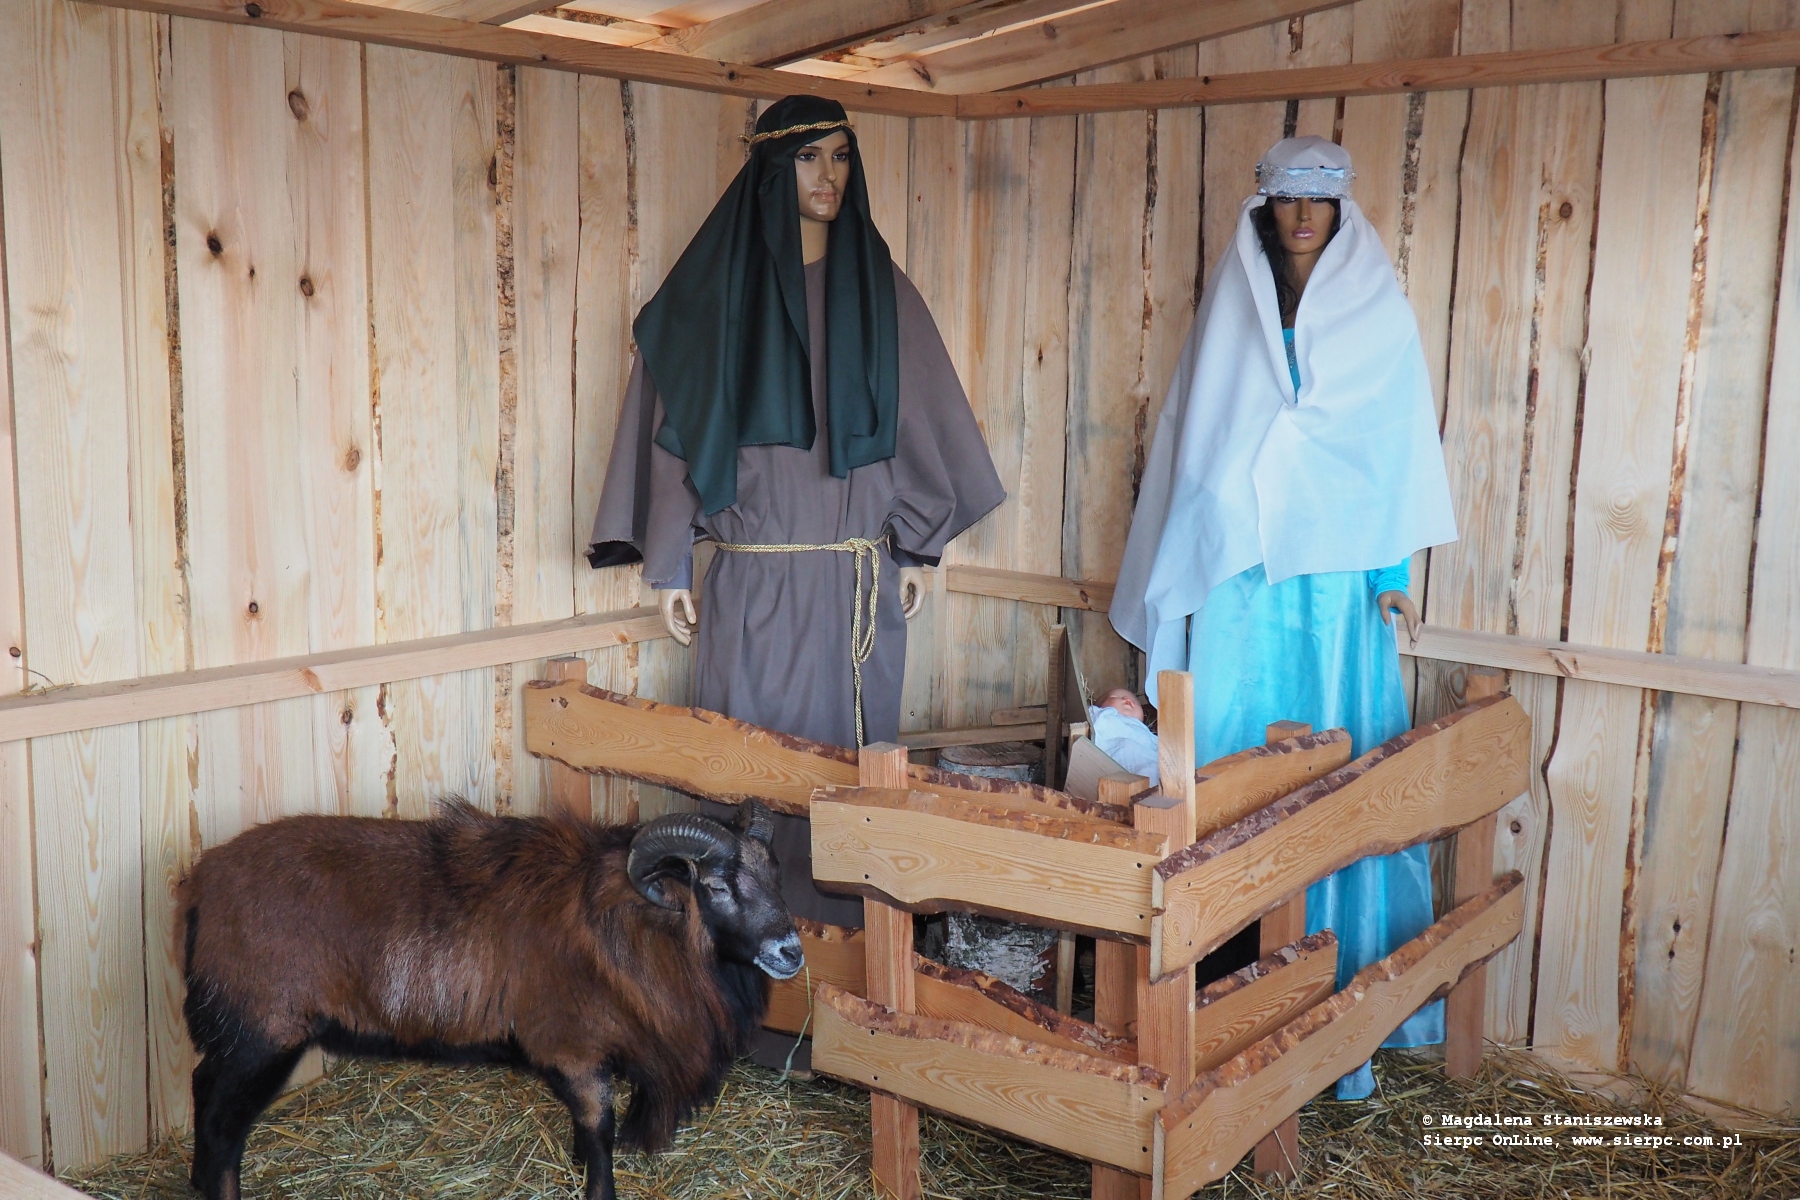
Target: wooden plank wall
x: 248, y: 417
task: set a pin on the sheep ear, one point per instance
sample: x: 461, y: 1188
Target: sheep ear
x: 654, y: 886
x: 754, y: 821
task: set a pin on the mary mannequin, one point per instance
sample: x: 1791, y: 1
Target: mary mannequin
x: 1295, y: 469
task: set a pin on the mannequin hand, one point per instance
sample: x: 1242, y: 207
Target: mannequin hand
x: 677, y: 605
x: 912, y: 591
x: 1391, y: 602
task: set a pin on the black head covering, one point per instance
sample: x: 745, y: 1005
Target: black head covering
x: 725, y: 338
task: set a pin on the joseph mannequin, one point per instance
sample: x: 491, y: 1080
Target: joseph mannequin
x: 793, y: 402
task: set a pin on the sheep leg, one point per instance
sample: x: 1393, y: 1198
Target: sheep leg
x: 231, y: 1089
x: 589, y: 1096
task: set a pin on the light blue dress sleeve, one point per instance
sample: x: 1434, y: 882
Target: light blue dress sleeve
x: 1396, y: 578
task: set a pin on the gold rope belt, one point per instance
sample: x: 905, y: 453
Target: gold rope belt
x: 862, y: 629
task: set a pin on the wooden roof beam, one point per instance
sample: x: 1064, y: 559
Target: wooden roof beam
x: 1622, y: 60
x: 1089, y: 37
x: 469, y: 39
x: 779, y: 31
x: 492, y: 12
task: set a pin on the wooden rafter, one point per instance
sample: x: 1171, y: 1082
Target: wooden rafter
x: 1087, y: 37
x: 469, y: 39
x: 779, y: 31
x: 1621, y: 60
x: 493, y: 12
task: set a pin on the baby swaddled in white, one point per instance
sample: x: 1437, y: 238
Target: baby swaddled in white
x: 1118, y: 730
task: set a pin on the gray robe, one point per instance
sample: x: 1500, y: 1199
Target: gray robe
x: 773, y: 644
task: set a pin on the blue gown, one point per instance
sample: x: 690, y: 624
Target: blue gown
x: 1314, y: 648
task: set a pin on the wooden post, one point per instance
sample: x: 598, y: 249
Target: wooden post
x: 888, y: 944
x: 1465, y: 1010
x: 570, y: 790
x: 1278, y: 1154
x: 1115, y: 990
x: 1056, y: 713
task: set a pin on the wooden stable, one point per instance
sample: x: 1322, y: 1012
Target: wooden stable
x: 1167, y: 1084
x: 317, y: 315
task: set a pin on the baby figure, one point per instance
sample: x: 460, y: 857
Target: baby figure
x: 1118, y: 730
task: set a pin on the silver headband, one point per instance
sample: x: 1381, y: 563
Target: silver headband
x: 1326, y: 183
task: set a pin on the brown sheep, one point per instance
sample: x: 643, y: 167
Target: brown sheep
x: 573, y: 950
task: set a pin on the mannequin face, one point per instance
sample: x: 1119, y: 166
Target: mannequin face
x: 821, y: 169
x: 1304, y: 225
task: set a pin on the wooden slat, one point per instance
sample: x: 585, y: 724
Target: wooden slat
x: 834, y: 955
x: 1082, y: 40
x: 124, y: 701
x: 570, y: 790
x: 545, y: 245
x: 1416, y: 787
x: 776, y: 31
x: 417, y: 31
x: 1619, y: 60
x: 69, y: 257
x: 1115, y: 992
x: 1248, y: 1005
x: 1079, y: 1104
x: 495, y: 11
x: 1203, y: 1133
x: 1637, y: 327
x: 705, y: 754
x: 603, y: 311
x: 1743, y: 1048
x: 432, y: 139
x: 1030, y: 588
x: 1708, y: 600
x: 889, y: 959
x: 980, y: 735
x: 21, y: 1069
x: 1231, y: 788
x: 931, y: 853
x: 972, y: 998
x: 20, y: 1182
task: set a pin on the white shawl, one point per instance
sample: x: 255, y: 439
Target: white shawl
x: 1349, y: 477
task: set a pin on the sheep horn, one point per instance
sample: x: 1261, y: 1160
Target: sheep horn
x: 754, y: 821
x: 685, y: 838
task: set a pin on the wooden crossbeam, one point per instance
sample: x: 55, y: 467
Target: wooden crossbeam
x: 1234, y: 1013
x: 715, y: 757
x: 494, y: 12
x: 1028, y: 588
x: 1231, y: 788
x: 526, y: 47
x: 932, y: 853
x: 974, y: 998
x: 1421, y: 785
x: 1620, y: 60
x: 1084, y: 1105
x: 1204, y: 1132
x: 1075, y: 41
x: 123, y: 701
x: 834, y: 955
x: 778, y: 31
x: 20, y: 1182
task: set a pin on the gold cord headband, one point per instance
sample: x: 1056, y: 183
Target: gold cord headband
x: 775, y: 133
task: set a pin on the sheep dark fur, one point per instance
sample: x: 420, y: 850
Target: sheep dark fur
x: 473, y: 938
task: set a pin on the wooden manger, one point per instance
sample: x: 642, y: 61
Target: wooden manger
x: 1168, y: 1088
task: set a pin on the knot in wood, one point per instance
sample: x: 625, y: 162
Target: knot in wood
x: 298, y: 106
x: 214, y: 244
x: 253, y: 11
x: 306, y: 286
x: 1566, y: 211
x: 255, y: 608
x: 352, y: 458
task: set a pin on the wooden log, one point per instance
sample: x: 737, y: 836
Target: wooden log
x: 933, y: 853
x: 1232, y: 1013
x: 1618, y: 60
x: 974, y: 998
x: 1411, y: 789
x: 1205, y: 1131
x: 418, y: 31
x: 1231, y: 788
x: 894, y: 1126
x: 570, y: 790
x: 726, y: 760
x: 834, y: 955
x: 1278, y: 1154
x: 1081, y: 1104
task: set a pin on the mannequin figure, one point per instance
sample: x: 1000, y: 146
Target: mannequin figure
x: 793, y: 402
x: 1295, y: 469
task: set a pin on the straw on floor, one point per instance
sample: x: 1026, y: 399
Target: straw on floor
x: 392, y: 1130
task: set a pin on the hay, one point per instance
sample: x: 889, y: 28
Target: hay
x: 371, y: 1130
